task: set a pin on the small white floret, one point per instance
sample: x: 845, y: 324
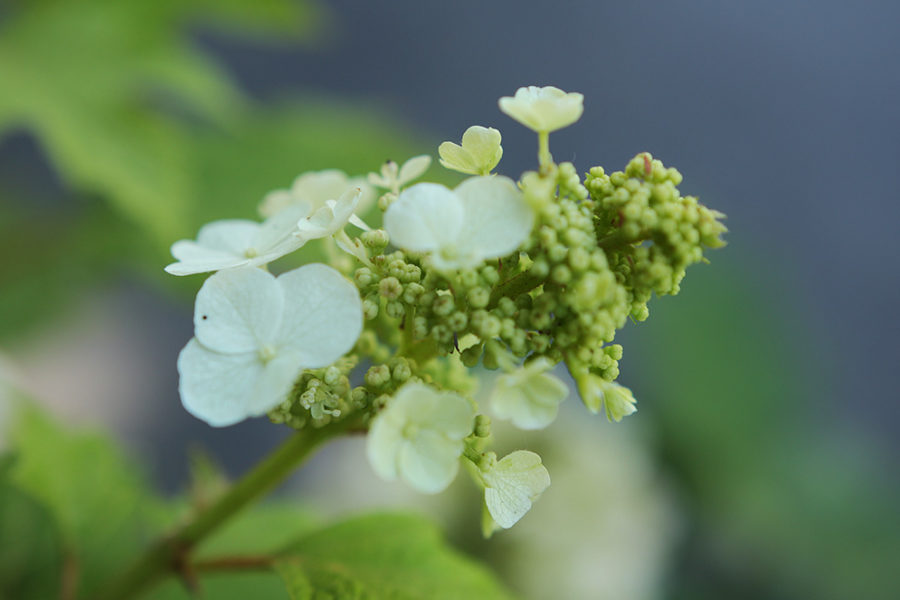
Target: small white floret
x: 529, y: 396
x: 255, y: 333
x: 393, y: 177
x: 478, y: 155
x: 512, y: 485
x: 483, y: 218
x: 236, y: 243
x: 315, y: 189
x: 418, y: 437
x: 543, y: 109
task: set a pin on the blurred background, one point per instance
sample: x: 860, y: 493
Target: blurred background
x: 764, y: 460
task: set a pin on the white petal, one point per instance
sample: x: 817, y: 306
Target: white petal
x: 322, y: 314
x: 383, y: 444
x: 330, y: 218
x: 497, y: 218
x: 276, y: 201
x: 424, y: 217
x: 278, y: 228
x: 429, y: 463
x: 513, y: 484
x: 229, y: 235
x: 219, y: 245
x: 217, y: 387
x: 457, y: 158
x: 238, y: 310
x: 194, y: 258
x: 413, y: 169
x: 452, y: 415
x: 274, y: 383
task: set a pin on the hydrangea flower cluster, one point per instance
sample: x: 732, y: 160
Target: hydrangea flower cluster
x: 519, y: 276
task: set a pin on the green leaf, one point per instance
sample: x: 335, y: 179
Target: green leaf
x: 375, y: 557
x: 31, y: 555
x: 106, y: 98
x: 96, y: 497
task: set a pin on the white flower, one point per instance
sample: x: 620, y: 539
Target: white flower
x: 238, y: 243
x: 479, y: 154
x: 316, y: 188
x: 484, y: 217
x: 419, y: 436
x: 596, y: 392
x: 393, y: 177
x: 511, y: 486
x: 543, y: 109
x: 529, y: 396
x: 255, y: 333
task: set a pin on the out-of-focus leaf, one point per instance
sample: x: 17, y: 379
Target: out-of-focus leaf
x: 54, y: 256
x: 97, y: 499
x: 797, y: 505
x: 88, y: 77
x: 31, y: 558
x: 267, y: 150
x: 376, y: 557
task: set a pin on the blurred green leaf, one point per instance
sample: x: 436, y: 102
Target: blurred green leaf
x: 257, y: 531
x: 88, y: 77
x: 400, y: 557
x: 31, y: 556
x: 96, y: 497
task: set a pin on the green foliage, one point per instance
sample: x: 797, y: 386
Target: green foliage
x: 74, y: 513
x: 30, y: 547
x: 379, y: 557
x: 96, y: 497
x: 131, y: 112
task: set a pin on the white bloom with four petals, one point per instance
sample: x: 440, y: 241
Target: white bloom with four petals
x: 418, y: 437
x: 315, y: 189
x: 484, y: 217
x: 529, y: 396
x: 512, y: 485
x: 543, y: 109
x: 479, y: 154
x: 235, y: 243
x: 255, y: 333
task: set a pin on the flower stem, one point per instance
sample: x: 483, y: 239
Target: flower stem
x: 545, y: 159
x: 170, y: 554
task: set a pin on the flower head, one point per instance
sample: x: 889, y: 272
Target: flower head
x: 254, y: 334
x: 529, y: 396
x: 511, y: 486
x: 238, y: 243
x: 479, y: 154
x: 419, y: 435
x: 543, y: 109
x: 315, y: 189
x: 596, y: 392
x: 484, y: 217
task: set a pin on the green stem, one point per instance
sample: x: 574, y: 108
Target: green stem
x: 545, y: 159
x: 169, y: 554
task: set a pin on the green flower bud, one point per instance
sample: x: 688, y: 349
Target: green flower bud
x: 377, y: 376
x: 390, y: 288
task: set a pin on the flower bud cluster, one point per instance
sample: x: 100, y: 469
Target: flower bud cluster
x: 651, y: 232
